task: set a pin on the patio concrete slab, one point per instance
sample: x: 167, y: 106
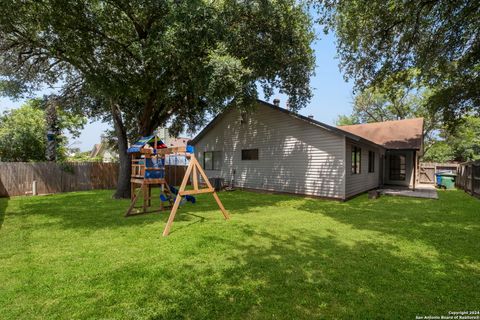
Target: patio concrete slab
x: 421, y: 191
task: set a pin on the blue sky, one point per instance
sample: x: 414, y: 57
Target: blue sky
x: 332, y: 96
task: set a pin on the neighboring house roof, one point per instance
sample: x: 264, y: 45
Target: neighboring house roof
x: 178, y: 142
x: 292, y: 114
x: 397, y: 134
x: 100, y: 150
x: 97, y: 148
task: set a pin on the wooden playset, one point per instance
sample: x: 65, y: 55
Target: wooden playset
x: 149, y: 155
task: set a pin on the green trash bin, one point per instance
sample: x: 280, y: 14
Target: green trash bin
x: 448, y: 181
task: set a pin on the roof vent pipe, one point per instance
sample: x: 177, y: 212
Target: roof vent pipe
x: 276, y: 102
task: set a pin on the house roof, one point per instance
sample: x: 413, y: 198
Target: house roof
x: 314, y: 122
x: 178, y: 142
x: 397, y: 134
x: 96, y: 150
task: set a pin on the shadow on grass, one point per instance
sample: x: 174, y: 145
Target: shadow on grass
x: 391, y: 258
x: 194, y: 218
x: 296, y: 277
x: 424, y: 220
x: 436, y: 223
x: 95, y: 209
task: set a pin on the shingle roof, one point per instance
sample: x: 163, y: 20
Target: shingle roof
x: 96, y: 150
x: 397, y: 134
x: 178, y: 142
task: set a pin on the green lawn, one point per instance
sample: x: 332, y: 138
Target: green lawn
x: 74, y: 256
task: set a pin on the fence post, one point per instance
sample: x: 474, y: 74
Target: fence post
x: 34, y: 188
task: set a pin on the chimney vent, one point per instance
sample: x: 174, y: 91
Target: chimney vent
x: 276, y: 102
x: 311, y: 116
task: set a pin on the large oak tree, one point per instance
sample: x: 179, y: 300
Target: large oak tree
x: 440, y: 38
x: 143, y: 63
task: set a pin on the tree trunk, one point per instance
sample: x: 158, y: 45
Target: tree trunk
x: 123, y: 184
x: 51, y: 119
x: 148, y: 128
x: 146, y: 121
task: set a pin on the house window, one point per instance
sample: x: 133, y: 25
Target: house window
x: 371, y: 161
x: 250, y: 154
x: 208, y: 160
x: 397, y: 167
x: 356, y: 159
x: 212, y: 160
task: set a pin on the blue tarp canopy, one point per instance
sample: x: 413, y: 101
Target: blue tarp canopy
x: 137, y: 146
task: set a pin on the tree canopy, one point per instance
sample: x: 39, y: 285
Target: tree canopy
x: 441, y: 144
x: 23, y: 132
x: 463, y: 144
x: 378, y: 39
x: 163, y: 59
x: 393, y: 101
x: 143, y: 63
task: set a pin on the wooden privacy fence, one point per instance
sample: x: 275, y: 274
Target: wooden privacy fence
x: 174, y: 174
x: 468, y: 177
x: 16, y: 178
x: 427, y: 170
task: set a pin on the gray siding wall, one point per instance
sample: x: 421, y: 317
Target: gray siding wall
x: 364, y: 181
x: 294, y: 156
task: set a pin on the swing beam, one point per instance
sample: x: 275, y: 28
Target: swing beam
x: 193, y: 170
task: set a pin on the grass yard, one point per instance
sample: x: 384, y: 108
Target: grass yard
x: 74, y: 256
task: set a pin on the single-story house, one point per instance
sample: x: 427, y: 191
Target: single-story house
x: 274, y: 149
x: 403, y: 144
x: 169, y: 140
x: 177, y: 142
x: 104, y: 152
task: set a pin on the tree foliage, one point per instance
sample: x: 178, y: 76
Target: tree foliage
x: 378, y: 39
x: 393, y: 101
x: 23, y: 132
x: 346, y: 120
x: 159, y: 59
x: 440, y: 152
x: 83, y: 157
x: 441, y: 144
x: 463, y: 144
x: 142, y: 63
x: 22, y: 135
x: 466, y: 140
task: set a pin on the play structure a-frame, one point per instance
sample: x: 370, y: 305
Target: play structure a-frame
x: 148, y: 169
